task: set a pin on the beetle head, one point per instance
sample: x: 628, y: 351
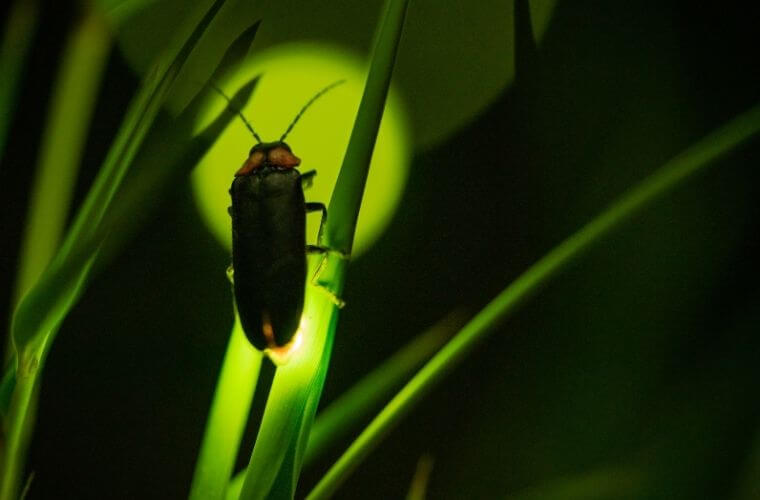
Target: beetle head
x: 269, y: 154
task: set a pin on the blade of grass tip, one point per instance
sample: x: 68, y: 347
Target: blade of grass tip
x: 342, y: 415
x: 421, y: 479
x: 40, y: 312
x: 227, y: 418
x: 20, y: 28
x: 349, y: 188
x: 297, y: 385
x: 693, y: 160
x: 526, y: 48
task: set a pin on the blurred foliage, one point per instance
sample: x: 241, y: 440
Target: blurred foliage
x: 448, y: 70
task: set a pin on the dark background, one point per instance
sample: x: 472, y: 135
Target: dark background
x: 642, y: 357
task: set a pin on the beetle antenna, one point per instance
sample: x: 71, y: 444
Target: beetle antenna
x: 309, y: 103
x: 240, y: 114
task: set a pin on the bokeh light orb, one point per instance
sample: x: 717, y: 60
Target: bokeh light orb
x: 290, y: 75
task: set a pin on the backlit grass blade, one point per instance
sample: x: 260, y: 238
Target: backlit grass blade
x: 290, y: 405
x: 40, y: 312
x: 72, y: 104
x: 281, y: 442
x: 349, y: 188
x: 227, y: 418
x: 67, y: 123
x: 346, y: 412
x: 689, y: 162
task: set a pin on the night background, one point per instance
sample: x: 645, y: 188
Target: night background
x: 633, y: 374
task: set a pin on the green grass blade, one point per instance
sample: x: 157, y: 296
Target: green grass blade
x: 20, y: 28
x: 290, y: 404
x: 30, y: 325
x: 40, y: 312
x: 229, y: 410
x: 72, y: 104
x: 139, y: 118
x: 339, y: 419
x: 691, y: 161
x: 349, y: 188
x: 227, y: 418
x: 171, y: 153
x: 281, y: 442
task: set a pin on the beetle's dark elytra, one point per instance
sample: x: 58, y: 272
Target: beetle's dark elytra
x: 268, y: 253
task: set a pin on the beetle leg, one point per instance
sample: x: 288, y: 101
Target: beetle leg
x: 321, y: 267
x: 313, y: 207
x: 321, y: 250
x: 307, y: 178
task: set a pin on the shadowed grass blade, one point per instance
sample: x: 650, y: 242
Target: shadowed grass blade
x: 673, y: 173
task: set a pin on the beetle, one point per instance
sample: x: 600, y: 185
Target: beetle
x: 269, y: 247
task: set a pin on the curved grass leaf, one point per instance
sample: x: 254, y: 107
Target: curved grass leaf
x: 281, y: 442
x: 40, y: 313
x: 673, y: 173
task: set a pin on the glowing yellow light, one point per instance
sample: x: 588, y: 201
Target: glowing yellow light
x: 290, y: 75
x: 283, y: 354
